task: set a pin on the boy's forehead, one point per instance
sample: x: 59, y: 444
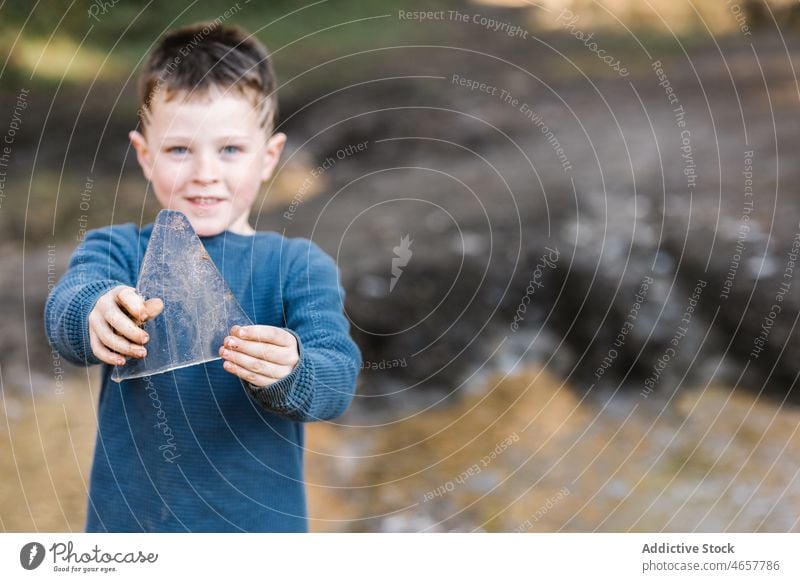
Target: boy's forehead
x: 236, y: 107
x: 182, y: 100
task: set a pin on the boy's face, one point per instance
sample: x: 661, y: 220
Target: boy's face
x: 207, y: 157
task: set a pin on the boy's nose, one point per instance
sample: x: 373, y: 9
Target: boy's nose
x: 206, y: 169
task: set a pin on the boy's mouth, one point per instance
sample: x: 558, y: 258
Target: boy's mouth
x: 204, y: 201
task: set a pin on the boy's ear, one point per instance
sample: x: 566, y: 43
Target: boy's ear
x: 272, y: 154
x: 143, y: 154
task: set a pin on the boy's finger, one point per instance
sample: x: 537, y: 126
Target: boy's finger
x: 261, y: 350
x: 254, y: 365
x: 122, y: 324
x: 117, y: 343
x: 103, y: 353
x: 132, y: 302
x: 247, y: 375
x: 263, y: 333
x: 153, y: 307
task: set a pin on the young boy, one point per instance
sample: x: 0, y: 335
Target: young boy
x: 217, y: 446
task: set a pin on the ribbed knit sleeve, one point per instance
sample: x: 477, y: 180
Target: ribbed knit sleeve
x: 322, y: 383
x: 103, y: 261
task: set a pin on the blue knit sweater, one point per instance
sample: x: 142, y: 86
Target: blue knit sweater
x: 197, y: 449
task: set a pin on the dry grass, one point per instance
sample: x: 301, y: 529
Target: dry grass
x: 46, y: 445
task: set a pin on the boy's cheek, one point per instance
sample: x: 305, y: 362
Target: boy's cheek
x: 167, y: 168
x: 168, y: 179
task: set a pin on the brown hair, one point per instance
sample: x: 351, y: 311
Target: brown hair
x: 201, y: 56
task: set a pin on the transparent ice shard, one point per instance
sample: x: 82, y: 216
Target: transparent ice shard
x: 199, y: 307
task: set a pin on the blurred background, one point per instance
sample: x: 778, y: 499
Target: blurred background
x: 568, y: 233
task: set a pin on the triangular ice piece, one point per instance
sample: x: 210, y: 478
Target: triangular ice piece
x: 199, y: 307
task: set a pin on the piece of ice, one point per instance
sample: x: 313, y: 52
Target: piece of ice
x: 199, y: 307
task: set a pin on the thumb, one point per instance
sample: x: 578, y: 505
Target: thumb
x: 153, y: 307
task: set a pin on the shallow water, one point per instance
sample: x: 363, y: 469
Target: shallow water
x: 709, y: 460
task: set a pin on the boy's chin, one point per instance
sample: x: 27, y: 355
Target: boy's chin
x: 207, y: 227
x: 207, y: 231
x: 209, y: 224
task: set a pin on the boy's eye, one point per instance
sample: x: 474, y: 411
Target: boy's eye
x: 178, y: 150
x: 231, y: 149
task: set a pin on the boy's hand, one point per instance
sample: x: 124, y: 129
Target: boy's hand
x: 114, y: 324
x: 260, y: 354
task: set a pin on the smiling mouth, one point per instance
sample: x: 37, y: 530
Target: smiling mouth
x: 204, y: 201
